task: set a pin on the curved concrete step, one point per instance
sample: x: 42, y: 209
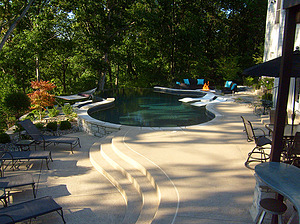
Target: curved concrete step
x: 132, y: 197
x: 140, y: 181
x: 166, y: 189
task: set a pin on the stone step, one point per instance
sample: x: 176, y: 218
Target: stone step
x: 159, y: 179
x: 132, y: 198
x: 138, y: 176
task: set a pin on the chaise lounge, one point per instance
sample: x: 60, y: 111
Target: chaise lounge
x: 29, y: 209
x: 46, y: 140
x: 229, y: 87
x: 16, y: 156
x: 79, y: 96
x: 191, y: 84
x: 16, y: 181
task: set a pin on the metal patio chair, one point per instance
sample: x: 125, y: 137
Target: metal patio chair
x: 292, y: 153
x: 262, y: 143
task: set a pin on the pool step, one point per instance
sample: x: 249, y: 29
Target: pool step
x: 147, y: 190
x: 132, y: 197
x: 165, y: 188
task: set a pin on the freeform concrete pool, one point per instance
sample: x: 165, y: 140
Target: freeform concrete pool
x: 101, y: 128
x: 148, y: 108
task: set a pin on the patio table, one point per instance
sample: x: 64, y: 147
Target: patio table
x: 289, y: 130
x: 283, y: 178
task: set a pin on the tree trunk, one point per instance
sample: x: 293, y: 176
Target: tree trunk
x: 101, y: 80
x: 64, y: 67
x: 12, y: 27
x: 37, y: 68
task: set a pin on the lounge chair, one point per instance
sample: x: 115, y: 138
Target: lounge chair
x: 16, y: 156
x: 29, y: 209
x: 79, y: 96
x: 262, y: 143
x: 229, y: 87
x: 46, y: 140
x: 17, y: 181
x: 191, y: 84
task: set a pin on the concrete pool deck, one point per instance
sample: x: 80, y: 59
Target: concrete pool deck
x: 189, y: 175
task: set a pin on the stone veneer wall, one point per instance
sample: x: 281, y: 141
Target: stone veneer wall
x: 93, y: 126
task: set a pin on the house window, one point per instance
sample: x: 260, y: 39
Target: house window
x: 278, y: 11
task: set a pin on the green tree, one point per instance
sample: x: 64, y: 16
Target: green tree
x: 75, y: 44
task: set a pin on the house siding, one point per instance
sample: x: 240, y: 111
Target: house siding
x: 273, y: 46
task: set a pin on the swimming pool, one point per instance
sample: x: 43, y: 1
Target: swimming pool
x: 146, y: 108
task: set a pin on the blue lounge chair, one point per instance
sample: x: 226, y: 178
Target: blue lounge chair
x: 191, y: 84
x: 229, y: 87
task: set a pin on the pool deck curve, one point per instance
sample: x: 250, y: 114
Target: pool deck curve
x: 187, y: 175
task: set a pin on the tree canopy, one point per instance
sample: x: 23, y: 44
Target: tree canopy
x: 82, y: 44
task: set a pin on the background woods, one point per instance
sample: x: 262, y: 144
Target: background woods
x: 83, y: 44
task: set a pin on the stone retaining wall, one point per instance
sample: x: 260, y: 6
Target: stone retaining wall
x: 93, y: 126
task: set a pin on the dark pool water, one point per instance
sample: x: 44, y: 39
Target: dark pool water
x: 151, y: 109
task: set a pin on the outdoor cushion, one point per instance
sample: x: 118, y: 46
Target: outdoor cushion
x: 200, y: 81
x: 186, y: 81
x: 228, y: 84
x: 233, y: 86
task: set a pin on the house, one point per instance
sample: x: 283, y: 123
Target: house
x: 273, y: 49
x: 280, y: 39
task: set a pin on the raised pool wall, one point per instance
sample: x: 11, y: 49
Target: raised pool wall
x: 93, y: 126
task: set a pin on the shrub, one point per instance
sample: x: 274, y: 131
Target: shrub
x: 4, y: 138
x: 18, y: 128
x: 267, y: 96
x: 267, y: 83
x: 30, y: 116
x: 267, y: 100
x: 249, y: 81
x: 53, y: 112
x: 16, y: 103
x: 39, y: 114
x: 3, y: 125
x: 67, y: 109
x: 64, y: 125
x: 39, y: 125
x: 52, y: 126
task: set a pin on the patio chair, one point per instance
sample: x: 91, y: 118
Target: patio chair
x: 16, y: 181
x: 13, y: 157
x: 30, y: 209
x: 46, y: 140
x: 258, y: 153
x: 229, y: 87
x: 292, y: 153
